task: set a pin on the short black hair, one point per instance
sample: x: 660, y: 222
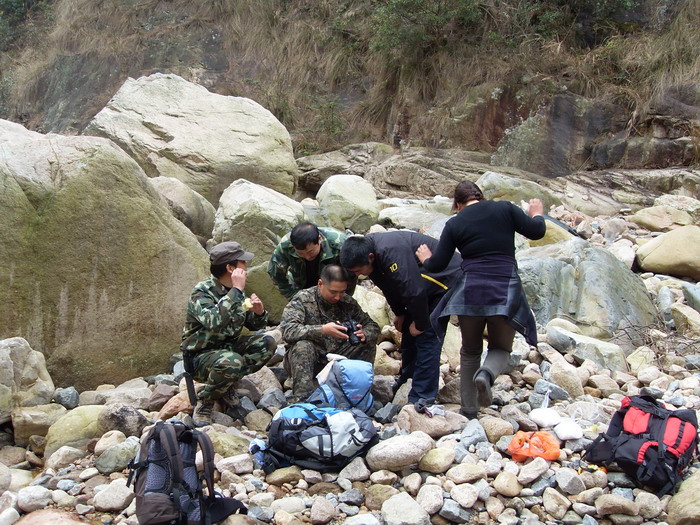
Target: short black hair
x: 303, y: 234
x: 217, y: 270
x: 334, y: 272
x: 355, y: 251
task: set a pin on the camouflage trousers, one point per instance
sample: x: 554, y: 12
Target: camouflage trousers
x: 221, y: 368
x: 306, y: 359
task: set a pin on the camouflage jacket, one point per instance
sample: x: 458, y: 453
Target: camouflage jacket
x: 288, y: 270
x: 305, y: 314
x: 215, y: 317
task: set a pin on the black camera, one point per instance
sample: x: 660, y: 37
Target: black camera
x: 350, y: 328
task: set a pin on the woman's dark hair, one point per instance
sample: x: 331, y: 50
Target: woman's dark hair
x: 466, y: 191
x: 355, y: 251
x: 303, y: 234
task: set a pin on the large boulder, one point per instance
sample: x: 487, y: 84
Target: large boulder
x: 586, y: 284
x: 661, y: 218
x: 675, y: 253
x: 350, y: 202
x: 258, y: 218
x: 94, y: 269
x: 500, y: 187
x: 188, y: 206
x: 24, y: 381
x: 75, y: 429
x: 175, y: 128
x: 34, y: 421
x: 684, y: 508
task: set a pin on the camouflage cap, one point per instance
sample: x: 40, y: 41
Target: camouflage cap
x: 227, y: 252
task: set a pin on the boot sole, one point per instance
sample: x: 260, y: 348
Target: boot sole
x: 483, y: 391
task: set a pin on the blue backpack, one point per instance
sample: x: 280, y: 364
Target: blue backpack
x: 320, y: 438
x: 348, y: 385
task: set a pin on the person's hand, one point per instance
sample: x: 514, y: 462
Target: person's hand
x: 413, y: 330
x: 334, y: 330
x: 360, y: 333
x: 258, y: 307
x: 423, y: 253
x: 238, y: 278
x: 398, y: 322
x: 536, y: 208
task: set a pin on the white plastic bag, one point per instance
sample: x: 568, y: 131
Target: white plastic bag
x: 545, y: 417
x: 568, y: 429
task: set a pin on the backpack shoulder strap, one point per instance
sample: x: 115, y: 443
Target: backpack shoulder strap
x: 169, y: 441
x: 207, y: 449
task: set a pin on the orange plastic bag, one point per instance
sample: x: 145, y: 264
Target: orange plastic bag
x: 534, y: 444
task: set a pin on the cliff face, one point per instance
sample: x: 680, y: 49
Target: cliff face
x: 545, y: 104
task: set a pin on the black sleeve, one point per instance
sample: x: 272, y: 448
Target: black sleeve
x: 402, y: 278
x: 444, y: 252
x: 531, y: 227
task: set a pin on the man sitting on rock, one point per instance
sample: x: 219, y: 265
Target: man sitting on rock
x: 311, y: 326
x: 300, y: 256
x: 216, y: 314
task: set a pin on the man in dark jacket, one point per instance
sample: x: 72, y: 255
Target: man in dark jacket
x: 389, y: 260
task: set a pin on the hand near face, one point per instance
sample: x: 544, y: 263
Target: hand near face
x: 238, y: 278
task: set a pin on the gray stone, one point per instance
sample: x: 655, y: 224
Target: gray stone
x: 362, y: 519
x: 556, y: 393
x: 452, y: 511
x: 555, y: 503
x: 120, y: 416
x: 67, y: 397
x: 117, y: 457
x: 387, y: 413
x: 351, y: 497
x: 33, y: 498
x: 114, y: 498
x: 691, y: 293
x: 569, y: 481
x: 473, y: 433
x: 402, y: 509
x: 611, y: 504
x: 265, y: 514
x: 399, y: 452
x: 430, y: 498
x: 532, y: 470
x: 272, y: 398
x: 348, y: 510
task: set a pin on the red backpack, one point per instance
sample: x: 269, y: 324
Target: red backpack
x: 651, y: 444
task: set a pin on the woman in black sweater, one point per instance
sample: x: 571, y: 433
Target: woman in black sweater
x: 490, y: 294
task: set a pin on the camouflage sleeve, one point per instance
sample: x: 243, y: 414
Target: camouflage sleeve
x: 293, y: 324
x: 277, y: 270
x: 215, y: 315
x: 254, y: 321
x: 370, y: 328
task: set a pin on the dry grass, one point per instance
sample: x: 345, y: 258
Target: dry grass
x: 295, y: 61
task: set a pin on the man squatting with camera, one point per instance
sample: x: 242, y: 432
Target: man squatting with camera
x: 322, y: 320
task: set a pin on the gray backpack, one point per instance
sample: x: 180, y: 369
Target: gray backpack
x: 168, y: 488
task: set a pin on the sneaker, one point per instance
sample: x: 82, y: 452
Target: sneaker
x: 482, y: 381
x: 202, y: 412
x: 469, y: 414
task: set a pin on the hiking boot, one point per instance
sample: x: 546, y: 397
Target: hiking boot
x: 469, y: 414
x: 482, y: 381
x: 202, y: 412
x: 230, y: 399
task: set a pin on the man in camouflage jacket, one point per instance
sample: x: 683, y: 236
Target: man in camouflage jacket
x: 311, y: 328
x: 300, y: 256
x: 216, y: 314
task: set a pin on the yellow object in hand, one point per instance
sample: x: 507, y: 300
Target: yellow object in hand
x: 247, y: 304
